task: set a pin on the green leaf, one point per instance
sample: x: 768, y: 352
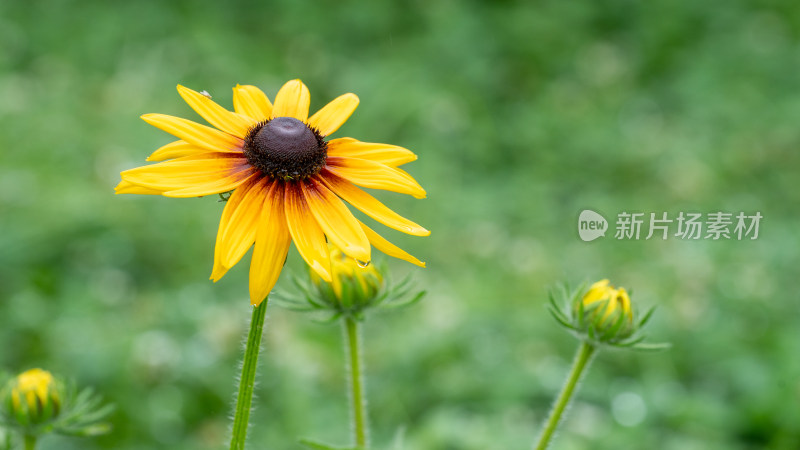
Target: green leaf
x: 560, y: 319
x: 612, y: 331
x: 581, y: 315
x: 404, y: 304
x: 592, y: 332
x: 86, y: 431
x: 647, y: 316
x: 322, y: 446
x: 630, y: 342
x: 652, y: 347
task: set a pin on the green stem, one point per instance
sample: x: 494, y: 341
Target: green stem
x: 358, y: 400
x: 248, y: 378
x: 30, y: 442
x: 579, y: 365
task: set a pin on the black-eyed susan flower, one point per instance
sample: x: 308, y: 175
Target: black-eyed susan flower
x: 288, y: 179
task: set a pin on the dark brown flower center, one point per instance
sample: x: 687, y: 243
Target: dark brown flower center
x: 285, y: 148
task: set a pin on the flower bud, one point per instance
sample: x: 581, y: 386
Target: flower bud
x: 602, y: 315
x: 32, y: 398
x: 355, y: 288
x: 354, y: 284
x: 606, y: 307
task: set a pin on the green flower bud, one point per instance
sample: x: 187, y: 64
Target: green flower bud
x: 354, y: 285
x: 35, y: 403
x: 601, y: 315
x: 607, y: 309
x: 32, y: 398
x: 354, y: 289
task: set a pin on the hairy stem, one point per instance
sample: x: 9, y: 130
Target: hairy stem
x: 248, y: 378
x: 358, y: 401
x: 579, y: 365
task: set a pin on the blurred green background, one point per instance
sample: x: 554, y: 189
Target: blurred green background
x: 522, y: 114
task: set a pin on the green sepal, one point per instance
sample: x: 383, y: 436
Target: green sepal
x: 646, y: 317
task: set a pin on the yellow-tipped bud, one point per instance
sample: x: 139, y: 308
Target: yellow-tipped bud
x: 605, y: 306
x: 601, y: 315
x: 33, y: 397
x: 355, y: 288
x: 354, y: 284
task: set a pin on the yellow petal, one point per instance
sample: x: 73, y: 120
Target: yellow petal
x: 238, y: 232
x: 224, y: 184
x: 390, y: 155
x: 306, y: 233
x: 334, y: 114
x: 196, y: 134
x: 216, y: 115
x: 369, y: 205
x: 225, y: 222
x: 336, y: 220
x: 292, y: 101
x: 189, y: 172
x: 374, y: 175
x: 387, y: 247
x: 597, y: 292
x: 176, y: 149
x: 272, y: 244
x: 251, y: 101
x: 125, y: 187
x: 625, y: 302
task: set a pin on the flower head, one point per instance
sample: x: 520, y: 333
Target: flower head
x: 36, y: 403
x: 604, y: 306
x: 33, y: 397
x: 354, y: 284
x: 602, y: 315
x: 355, y: 288
x: 288, y: 180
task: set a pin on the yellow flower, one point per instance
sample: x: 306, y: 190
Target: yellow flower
x: 288, y: 180
x: 604, y: 304
x: 37, y: 390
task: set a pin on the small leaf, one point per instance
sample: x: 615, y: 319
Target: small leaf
x: 647, y: 316
x: 89, y: 430
x: 329, y: 320
x: 322, y: 446
x: 404, y: 304
x: 561, y: 320
x: 630, y: 342
x: 581, y: 315
x: 614, y: 329
x: 592, y: 332
x: 652, y: 347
